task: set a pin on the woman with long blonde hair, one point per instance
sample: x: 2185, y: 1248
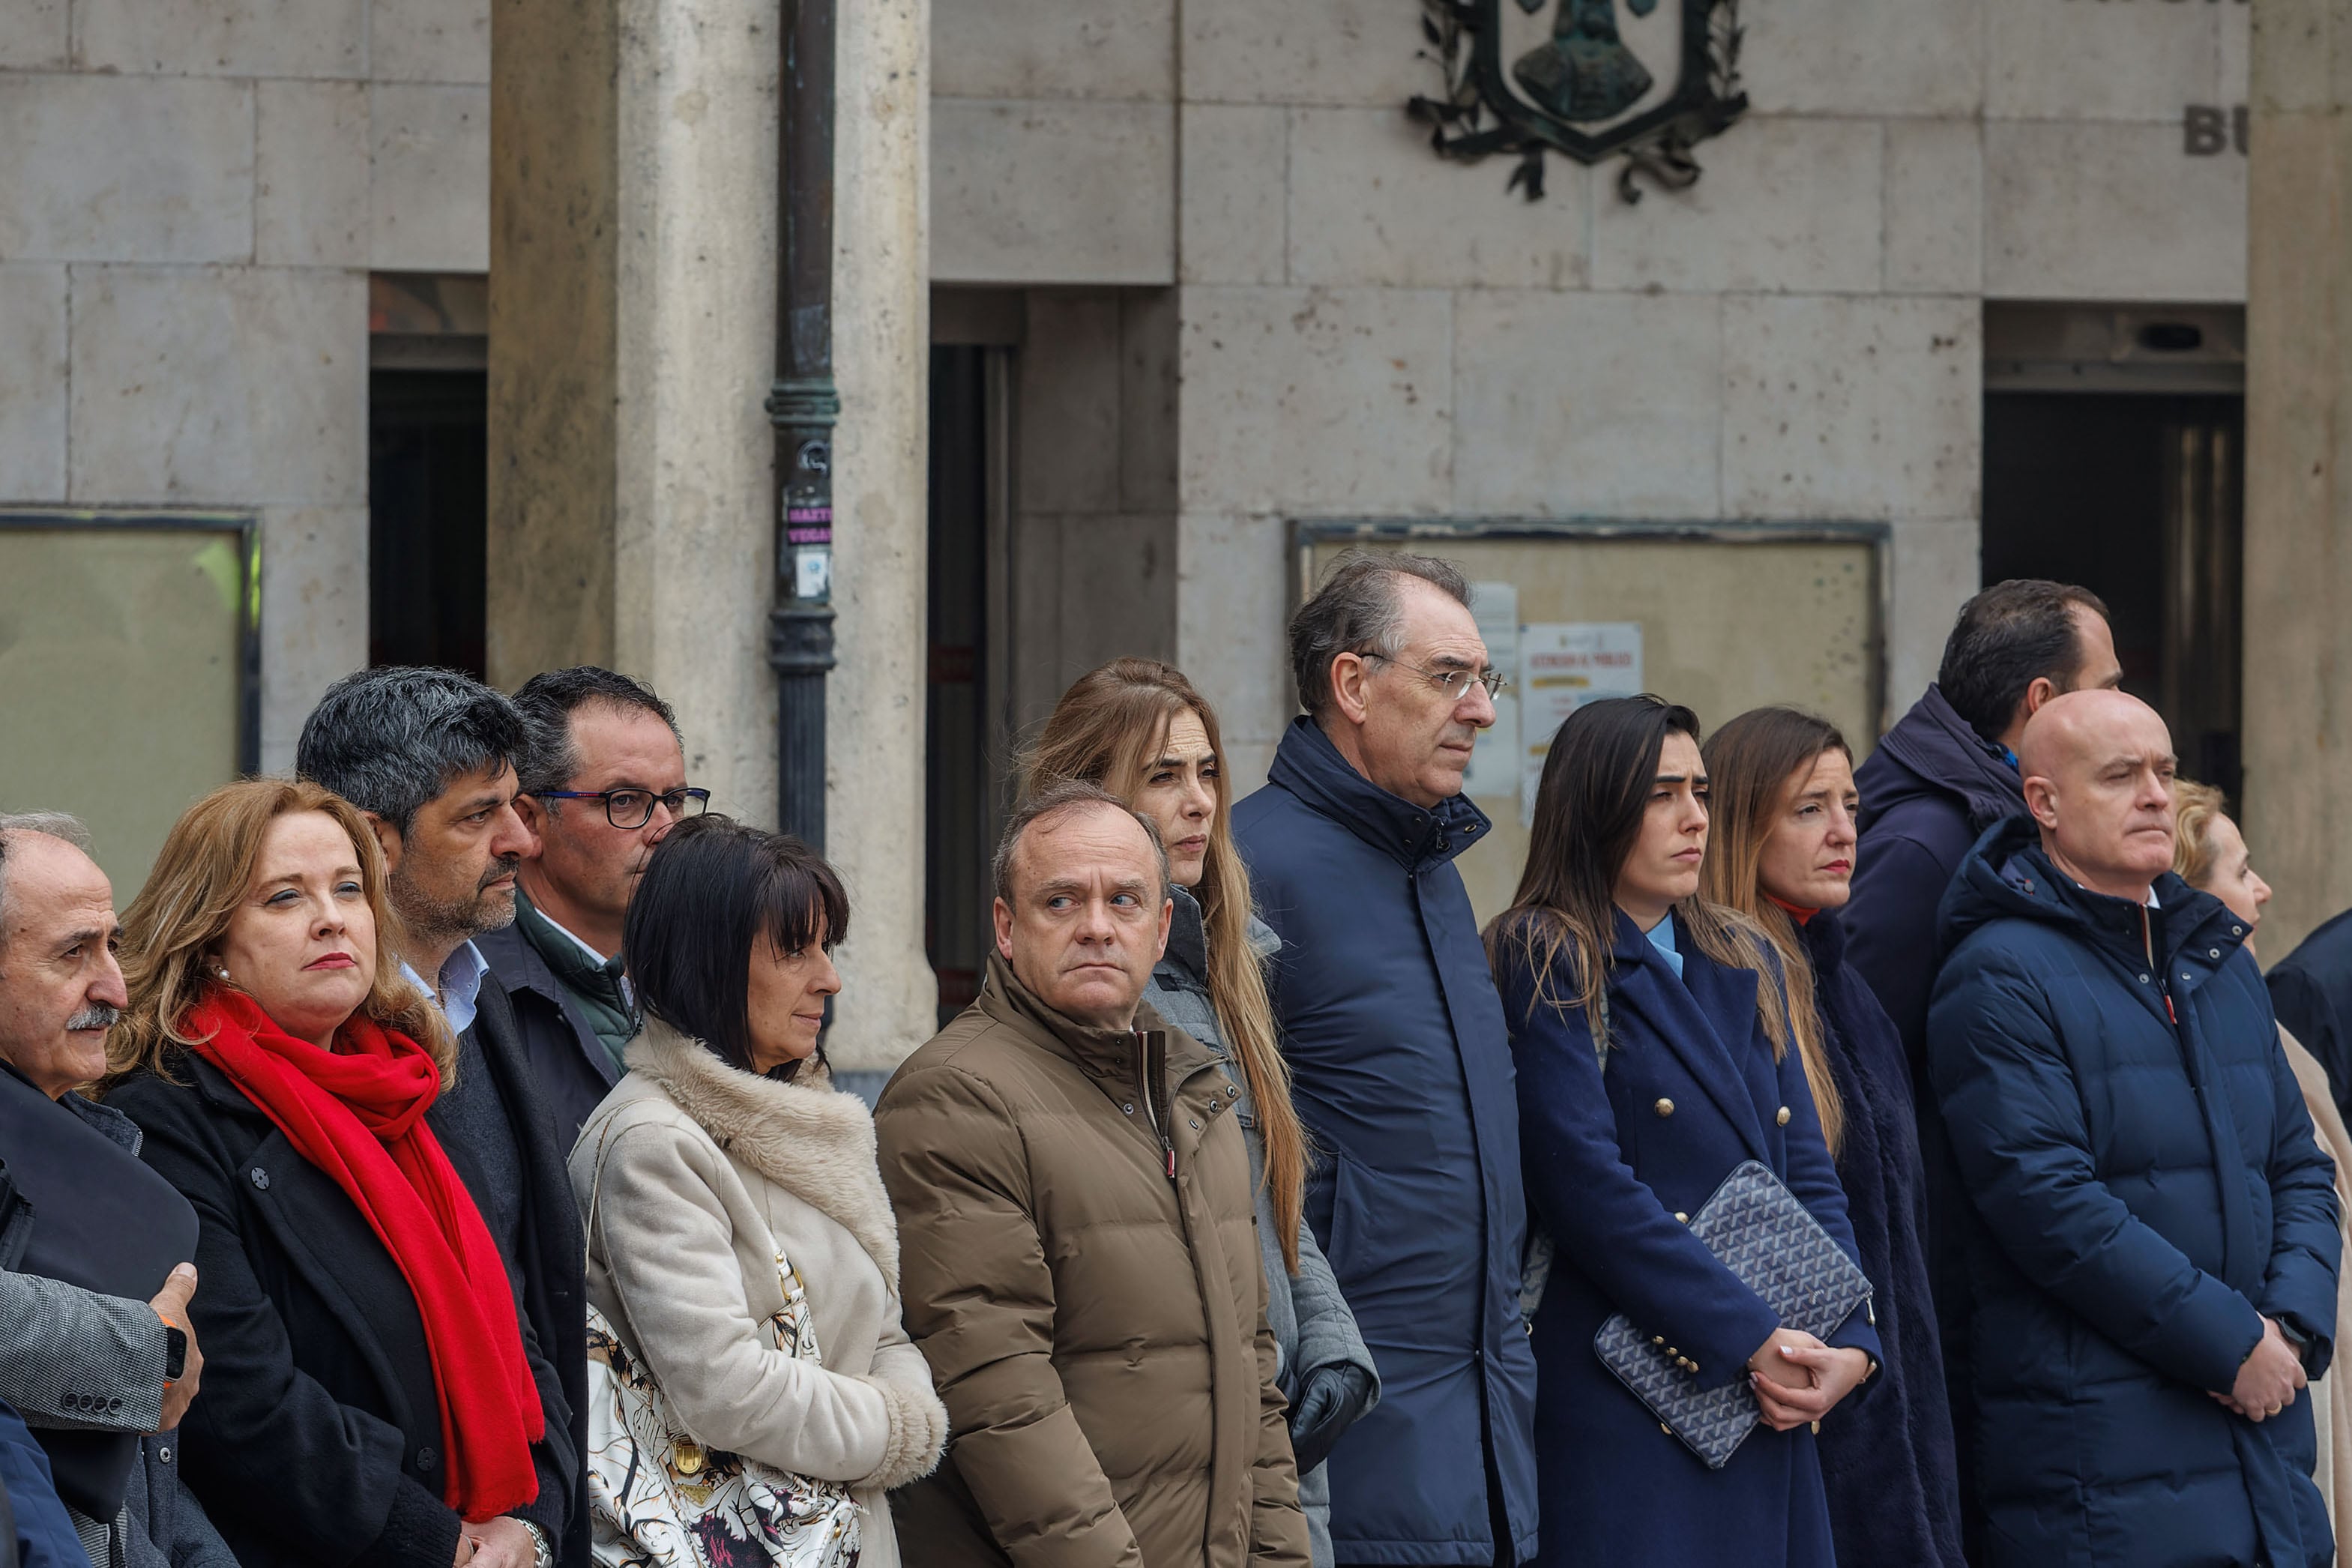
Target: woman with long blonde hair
x: 1783, y: 854
x: 280, y: 1070
x: 1137, y: 728
x: 1652, y: 1041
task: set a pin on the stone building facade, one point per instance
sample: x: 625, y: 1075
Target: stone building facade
x: 1223, y: 285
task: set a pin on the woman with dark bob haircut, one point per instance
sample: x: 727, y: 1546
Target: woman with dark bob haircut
x: 1656, y: 1055
x: 729, y: 1187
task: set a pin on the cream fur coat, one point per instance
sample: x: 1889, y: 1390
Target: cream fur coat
x: 696, y: 1179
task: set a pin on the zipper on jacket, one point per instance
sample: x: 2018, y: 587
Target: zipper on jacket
x: 2147, y: 942
x: 1146, y: 1078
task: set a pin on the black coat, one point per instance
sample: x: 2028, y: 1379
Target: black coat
x: 569, y: 1067
x: 317, y: 1437
x: 1889, y: 1463
x: 2147, y: 1188
x: 2312, y: 990
x: 1929, y: 789
x: 552, y: 1257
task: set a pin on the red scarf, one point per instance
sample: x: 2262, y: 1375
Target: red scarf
x: 358, y: 1114
x: 1797, y: 912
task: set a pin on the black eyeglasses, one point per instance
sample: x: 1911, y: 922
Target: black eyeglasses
x: 635, y: 807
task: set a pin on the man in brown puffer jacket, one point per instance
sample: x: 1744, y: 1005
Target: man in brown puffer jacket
x: 1077, y: 1243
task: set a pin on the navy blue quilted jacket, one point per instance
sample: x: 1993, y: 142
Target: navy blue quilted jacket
x: 2141, y: 1192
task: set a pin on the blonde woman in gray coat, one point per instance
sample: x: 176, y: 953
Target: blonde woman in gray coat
x: 726, y: 1153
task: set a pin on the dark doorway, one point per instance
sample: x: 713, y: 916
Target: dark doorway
x: 966, y: 744
x: 429, y: 501
x: 2138, y: 498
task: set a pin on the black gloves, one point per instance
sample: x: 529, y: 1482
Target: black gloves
x: 1332, y: 1400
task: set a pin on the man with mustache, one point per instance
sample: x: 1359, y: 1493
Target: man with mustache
x: 97, y: 1351
x: 603, y: 779
x: 429, y: 756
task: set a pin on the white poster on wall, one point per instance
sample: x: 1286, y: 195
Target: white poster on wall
x: 1495, y: 762
x: 1563, y: 664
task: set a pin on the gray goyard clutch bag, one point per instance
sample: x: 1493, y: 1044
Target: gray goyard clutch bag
x: 1763, y: 1235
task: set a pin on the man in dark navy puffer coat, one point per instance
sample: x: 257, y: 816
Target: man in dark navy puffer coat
x: 2153, y: 1245
x: 1401, y: 1066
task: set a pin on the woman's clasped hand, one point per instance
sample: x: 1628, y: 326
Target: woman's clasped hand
x: 1799, y: 1380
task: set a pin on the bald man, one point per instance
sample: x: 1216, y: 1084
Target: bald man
x: 2151, y: 1228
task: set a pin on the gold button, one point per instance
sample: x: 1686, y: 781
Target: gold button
x: 1657, y: 1339
x: 1817, y: 1428
x: 1666, y: 1429
x: 1681, y: 1217
x: 1664, y: 1108
x: 1674, y: 1352
x: 1783, y: 1117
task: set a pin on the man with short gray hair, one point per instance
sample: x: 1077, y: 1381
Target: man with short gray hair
x: 1078, y: 1236
x: 429, y: 757
x: 1400, y: 1065
x: 97, y: 1350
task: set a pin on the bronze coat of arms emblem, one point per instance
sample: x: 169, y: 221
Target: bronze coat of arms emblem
x: 1644, y: 80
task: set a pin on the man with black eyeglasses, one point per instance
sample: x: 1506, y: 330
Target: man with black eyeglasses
x: 602, y: 778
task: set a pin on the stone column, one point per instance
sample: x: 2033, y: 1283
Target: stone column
x: 881, y: 357
x: 2299, y: 561
x: 633, y: 284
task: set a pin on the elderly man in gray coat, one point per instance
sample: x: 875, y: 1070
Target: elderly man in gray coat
x: 103, y: 1379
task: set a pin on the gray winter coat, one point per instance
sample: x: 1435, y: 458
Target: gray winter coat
x: 1311, y: 1323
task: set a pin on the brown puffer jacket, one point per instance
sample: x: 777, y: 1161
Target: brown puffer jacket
x: 1090, y: 1296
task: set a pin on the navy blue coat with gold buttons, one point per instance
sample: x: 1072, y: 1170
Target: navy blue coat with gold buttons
x: 1615, y: 1156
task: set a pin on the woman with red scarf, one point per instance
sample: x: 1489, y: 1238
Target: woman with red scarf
x: 372, y: 1396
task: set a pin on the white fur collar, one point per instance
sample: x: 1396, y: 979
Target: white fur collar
x: 811, y: 1139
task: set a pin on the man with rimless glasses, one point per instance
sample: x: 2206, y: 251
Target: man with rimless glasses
x: 603, y: 777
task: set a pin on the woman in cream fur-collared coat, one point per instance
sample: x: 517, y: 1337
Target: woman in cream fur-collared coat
x: 725, y: 1151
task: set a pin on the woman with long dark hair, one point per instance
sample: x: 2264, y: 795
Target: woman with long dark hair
x: 1137, y: 728
x: 1656, y: 1055
x: 1784, y: 856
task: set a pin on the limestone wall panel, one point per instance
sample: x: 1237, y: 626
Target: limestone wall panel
x: 1233, y: 607
x: 430, y: 196
x: 1588, y: 405
x: 110, y: 168
x: 429, y: 40
x: 1050, y: 49
x: 1052, y: 191
x: 314, y: 616
x: 1069, y: 427
x: 230, y: 385
x: 32, y: 382
x: 1319, y: 400
x: 224, y: 38
x: 311, y: 170
x: 1933, y: 571
x: 1785, y: 204
x: 1935, y: 206
x: 2063, y: 59
x: 2111, y: 212
x: 1369, y: 203
x: 34, y: 35
x: 1235, y: 165
x: 1883, y: 57
x: 1859, y: 409
x: 1367, y: 53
